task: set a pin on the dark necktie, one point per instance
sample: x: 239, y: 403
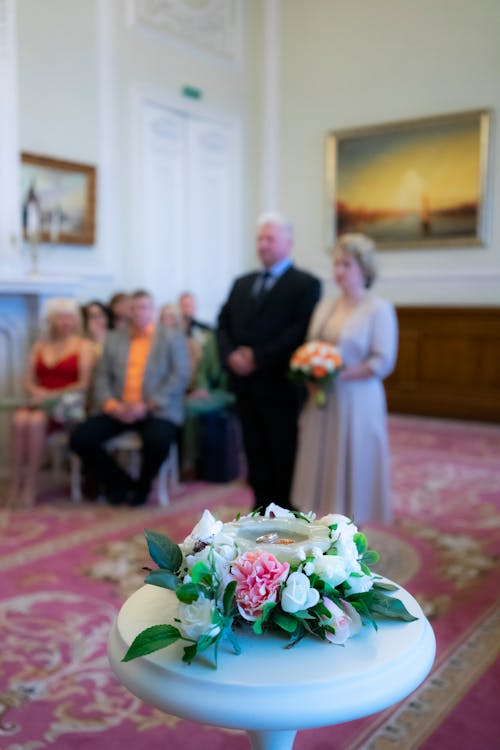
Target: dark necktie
x: 262, y: 286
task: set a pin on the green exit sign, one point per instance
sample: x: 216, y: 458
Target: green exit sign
x: 192, y: 92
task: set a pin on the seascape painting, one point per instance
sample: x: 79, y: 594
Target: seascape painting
x: 411, y: 184
x: 57, y: 200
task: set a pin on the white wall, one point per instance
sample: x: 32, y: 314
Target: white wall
x: 362, y: 62
x: 341, y: 64
x: 80, y: 65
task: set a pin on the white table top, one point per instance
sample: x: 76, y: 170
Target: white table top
x: 267, y: 686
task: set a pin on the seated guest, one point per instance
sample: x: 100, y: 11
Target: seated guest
x: 192, y: 327
x: 120, y: 309
x: 211, y: 382
x: 139, y: 385
x: 208, y: 399
x: 170, y: 318
x: 96, y: 323
x: 59, y: 364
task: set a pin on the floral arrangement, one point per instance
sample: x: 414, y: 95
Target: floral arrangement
x: 317, y: 362
x: 282, y: 572
x: 69, y: 407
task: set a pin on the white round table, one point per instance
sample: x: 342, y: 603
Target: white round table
x: 268, y: 690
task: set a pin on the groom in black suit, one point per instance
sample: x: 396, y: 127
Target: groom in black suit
x: 263, y: 321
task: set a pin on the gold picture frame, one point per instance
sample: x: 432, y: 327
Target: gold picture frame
x: 62, y: 195
x: 414, y: 183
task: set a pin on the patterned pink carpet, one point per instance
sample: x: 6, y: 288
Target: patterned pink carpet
x: 66, y: 570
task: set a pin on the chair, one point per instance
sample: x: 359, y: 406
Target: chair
x: 130, y: 443
x: 127, y: 444
x: 58, y: 449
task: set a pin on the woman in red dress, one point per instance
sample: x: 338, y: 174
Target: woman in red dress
x: 59, y: 362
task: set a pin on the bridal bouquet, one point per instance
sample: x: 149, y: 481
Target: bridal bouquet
x: 317, y: 362
x: 283, y: 572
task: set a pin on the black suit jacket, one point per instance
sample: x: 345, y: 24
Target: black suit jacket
x: 274, y: 326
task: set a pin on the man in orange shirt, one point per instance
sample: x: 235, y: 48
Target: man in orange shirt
x: 139, y: 385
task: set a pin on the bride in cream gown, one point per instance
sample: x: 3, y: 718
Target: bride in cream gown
x: 342, y: 463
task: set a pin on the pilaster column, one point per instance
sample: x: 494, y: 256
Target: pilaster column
x: 271, y: 119
x: 10, y: 242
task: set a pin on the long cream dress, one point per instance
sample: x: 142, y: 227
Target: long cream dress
x: 342, y: 463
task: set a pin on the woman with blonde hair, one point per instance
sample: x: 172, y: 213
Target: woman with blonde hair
x: 342, y: 464
x: 59, y: 363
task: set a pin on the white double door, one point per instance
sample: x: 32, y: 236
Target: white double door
x: 187, y: 203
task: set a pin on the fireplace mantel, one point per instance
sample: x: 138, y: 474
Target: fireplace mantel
x: 40, y: 286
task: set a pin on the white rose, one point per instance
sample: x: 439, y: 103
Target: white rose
x: 277, y: 511
x: 317, y: 552
x: 207, y: 527
x: 196, y: 618
x: 225, y: 545
x: 298, y: 594
x: 347, y: 550
x: 359, y: 584
x: 345, y: 526
x: 331, y: 569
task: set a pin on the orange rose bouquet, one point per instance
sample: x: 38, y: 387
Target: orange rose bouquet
x: 316, y: 362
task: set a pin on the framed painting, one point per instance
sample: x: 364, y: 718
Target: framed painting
x: 57, y: 200
x: 415, y: 183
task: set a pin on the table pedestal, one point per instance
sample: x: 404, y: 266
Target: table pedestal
x: 268, y: 690
x: 272, y: 740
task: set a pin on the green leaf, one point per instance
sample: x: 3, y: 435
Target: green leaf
x: 164, y: 552
x: 204, y: 642
x: 390, y: 606
x: 266, y: 609
x: 152, y: 639
x: 189, y: 653
x: 162, y: 578
x: 188, y: 593
x: 298, y: 514
x: 322, y: 609
x: 360, y: 542
x: 384, y: 585
x: 296, y: 637
x: 227, y: 599
x: 201, y: 573
x: 303, y: 614
x: 285, y: 621
x: 370, y: 557
x: 233, y: 640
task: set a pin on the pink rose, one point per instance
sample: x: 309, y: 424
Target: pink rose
x: 259, y: 576
x: 345, y: 620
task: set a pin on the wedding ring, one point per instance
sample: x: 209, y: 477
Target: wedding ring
x: 270, y: 538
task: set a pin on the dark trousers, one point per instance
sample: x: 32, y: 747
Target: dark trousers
x: 269, y: 428
x: 88, y: 441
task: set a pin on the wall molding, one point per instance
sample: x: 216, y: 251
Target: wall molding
x: 440, y: 275
x: 213, y: 27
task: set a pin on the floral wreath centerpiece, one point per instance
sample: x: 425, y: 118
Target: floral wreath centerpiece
x: 282, y: 571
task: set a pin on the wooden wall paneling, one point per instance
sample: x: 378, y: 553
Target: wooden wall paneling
x: 448, y: 363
